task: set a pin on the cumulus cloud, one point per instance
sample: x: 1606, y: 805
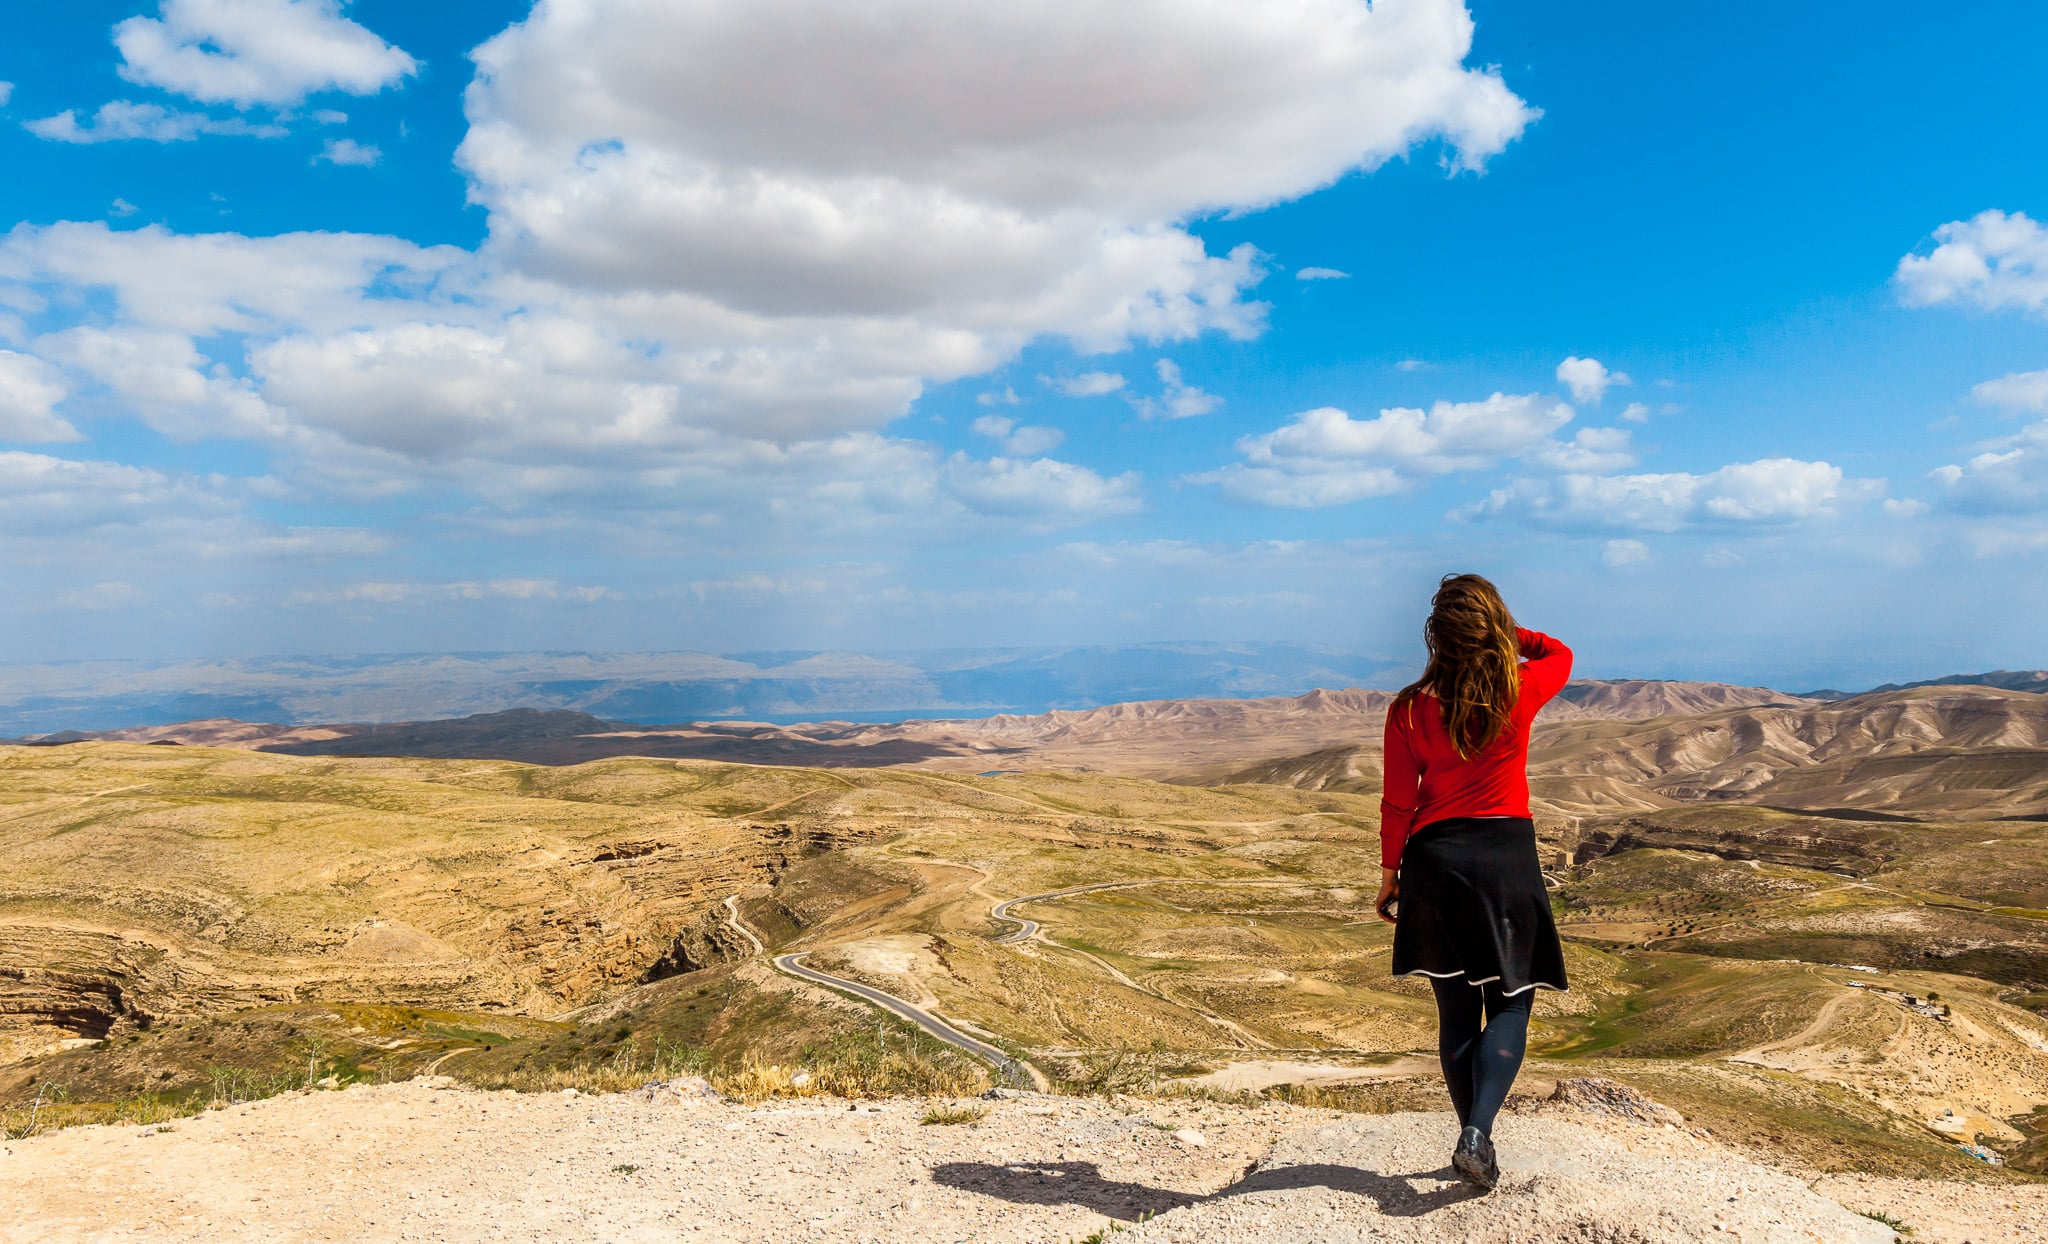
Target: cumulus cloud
x: 922, y: 187
x: 248, y: 52
x: 730, y: 242
x: 124, y: 120
x: 1325, y: 457
x: 349, y: 151
x: 1177, y: 399
x: 1322, y: 274
x: 1588, y: 379
x: 1635, y: 412
x: 29, y: 392
x: 1018, y: 441
x: 1994, y: 260
x: 1044, y: 492
x: 1770, y: 491
x: 1087, y: 384
x: 2025, y: 390
x: 6, y: 93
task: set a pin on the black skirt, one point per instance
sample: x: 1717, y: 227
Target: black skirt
x: 1473, y: 905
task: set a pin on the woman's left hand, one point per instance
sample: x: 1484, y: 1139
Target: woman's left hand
x: 1390, y: 888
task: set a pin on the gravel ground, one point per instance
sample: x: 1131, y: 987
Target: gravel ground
x: 425, y: 1161
x: 1387, y: 1178
x: 1949, y: 1213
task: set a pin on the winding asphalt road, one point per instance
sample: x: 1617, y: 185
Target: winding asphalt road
x: 1016, y: 1071
x: 1027, y: 929
x: 1019, y: 1073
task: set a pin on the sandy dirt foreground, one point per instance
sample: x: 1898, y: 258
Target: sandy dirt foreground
x: 424, y: 1161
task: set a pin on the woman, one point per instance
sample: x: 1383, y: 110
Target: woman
x: 1458, y: 850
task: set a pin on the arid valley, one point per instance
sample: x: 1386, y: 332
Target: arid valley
x: 1816, y: 929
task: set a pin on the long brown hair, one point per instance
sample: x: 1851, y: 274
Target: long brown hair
x: 1473, y: 668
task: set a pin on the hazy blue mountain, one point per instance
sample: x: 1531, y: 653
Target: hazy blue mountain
x: 665, y: 687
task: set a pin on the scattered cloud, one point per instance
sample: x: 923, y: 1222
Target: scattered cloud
x: 1322, y: 274
x: 6, y: 93
x: 1904, y: 507
x: 329, y: 116
x: 1019, y: 442
x: 1411, y: 365
x: 1325, y: 457
x: 1087, y: 384
x: 29, y: 392
x: 248, y: 52
x: 400, y: 593
x: 1768, y: 492
x: 2026, y: 390
x: 1624, y: 554
x: 1177, y: 399
x: 1635, y: 412
x: 349, y: 151
x: 124, y: 120
x: 112, y: 594
x: 1588, y: 379
x: 1005, y: 396
x: 2009, y: 475
x: 1043, y: 492
x: 1994, y: 260
x: 121, y: 209
x: 1591, y: 451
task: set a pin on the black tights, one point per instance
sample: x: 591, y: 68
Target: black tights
x: 1480, y: 1059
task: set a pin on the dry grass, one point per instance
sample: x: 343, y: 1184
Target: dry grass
x: 943, y: 1115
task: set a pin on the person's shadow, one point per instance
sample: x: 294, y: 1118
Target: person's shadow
x: 1082, y: 1184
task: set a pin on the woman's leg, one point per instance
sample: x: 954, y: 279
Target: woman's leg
x: 1458, y: 1022
x: 1497, y: 1053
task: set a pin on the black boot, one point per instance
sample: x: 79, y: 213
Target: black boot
x: 1473, y: 1158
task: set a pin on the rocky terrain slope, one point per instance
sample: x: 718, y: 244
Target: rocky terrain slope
x: 421, y: 1161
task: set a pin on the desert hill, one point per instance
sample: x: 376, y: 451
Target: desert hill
x: 1811, y: 927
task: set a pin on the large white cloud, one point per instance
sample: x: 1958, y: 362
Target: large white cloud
x: 1770, y: 491
x: 247, y: 52
x: 1325, y: 457
x: 29, y: 392
x: 1996, y: 260
x: 730, y: 241
x: 942, y: 182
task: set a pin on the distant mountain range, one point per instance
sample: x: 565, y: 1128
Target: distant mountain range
x: 1188, y: 739
x: 2010, y: 680
x: 664, y: 686
x: 505, y: 703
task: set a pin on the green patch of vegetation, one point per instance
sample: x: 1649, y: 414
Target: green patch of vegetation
x: 937, y: 1115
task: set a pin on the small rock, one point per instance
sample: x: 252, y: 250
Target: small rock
x: 571, y: 1093
x: 1191, y: 1138
x: 801, y: 1079
x: 1600, y: 1095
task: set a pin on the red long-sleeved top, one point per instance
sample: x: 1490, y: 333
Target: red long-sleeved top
x: 1426, y: 779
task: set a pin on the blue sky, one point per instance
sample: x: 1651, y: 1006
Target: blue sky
x: 726, y: 326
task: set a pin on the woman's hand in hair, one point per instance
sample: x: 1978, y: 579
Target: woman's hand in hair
x: 1390, y: 888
